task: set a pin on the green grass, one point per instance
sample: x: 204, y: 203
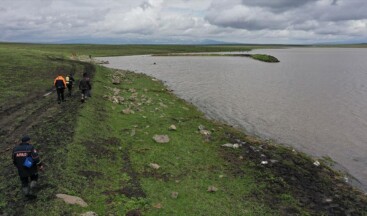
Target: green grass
x: 26, y: 70
x: 189, y: 165
x: 264, y: 58
x: 121, y: 50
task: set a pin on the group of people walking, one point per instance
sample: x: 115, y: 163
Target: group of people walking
x: 62, y: 83
x: 24, y: 155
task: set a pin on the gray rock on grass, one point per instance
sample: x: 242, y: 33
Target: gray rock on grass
x: 90, y: 213
x: 161, y: 138
x: 154, y: 166
x: 212, y: 189
x: 74, y: 200
x: 172, y: 128
x: 174, y: 195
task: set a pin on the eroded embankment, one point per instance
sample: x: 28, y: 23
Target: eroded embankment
x: 317, y: 188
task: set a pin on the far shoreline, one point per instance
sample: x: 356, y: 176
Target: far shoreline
x: 260, y: 57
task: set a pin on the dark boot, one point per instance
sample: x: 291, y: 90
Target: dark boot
x: 25, y: 191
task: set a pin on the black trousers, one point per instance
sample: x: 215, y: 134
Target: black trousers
x: 60, y: 94
x: 25, y: 180
x: 70, y: 87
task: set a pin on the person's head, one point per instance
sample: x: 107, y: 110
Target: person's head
x: 26, y: 138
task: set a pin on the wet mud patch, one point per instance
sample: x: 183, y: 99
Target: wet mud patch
x: 100, y: 148
x: 130, y: 191
x: 156, y: 174
x: 133, y: 188
x: 134, y: 212
x: 281, y: 171
x: 90, y: 175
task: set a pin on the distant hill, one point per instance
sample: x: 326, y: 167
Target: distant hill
x: 140, y: 41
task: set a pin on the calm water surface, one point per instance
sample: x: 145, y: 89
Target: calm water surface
x: 315, y: 99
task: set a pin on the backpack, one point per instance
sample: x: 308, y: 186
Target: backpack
x: 67, y: 79
x: 28, y: 162
x: 59, y: 84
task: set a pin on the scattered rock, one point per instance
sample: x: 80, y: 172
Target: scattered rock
x: 205, y: 132
x: 133, y: 132
x: 212, y: 189
x: 236, y: 146
x: 346, y: 179
x: 174, y: 195
x: 316, y: 163
x: 328, y: 200
x: 132, y: 90
x: 264, y: 162
x: 163, y: 105
x: 116, y: 80
x: 230, y: 145
x: 158, y: 206
x: 90, y: 213
x: 116, y: 91
x: 154, y: 166
x: 128, y: 111
x: 201, y: 127
x: 161, y: 138
x: 72, y: 200
x: 117, y: 99
x: 172, y: 128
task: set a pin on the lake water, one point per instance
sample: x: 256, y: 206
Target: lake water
x: 315, y: 99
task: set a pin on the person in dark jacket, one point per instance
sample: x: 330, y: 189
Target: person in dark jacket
x: 84, y: 86
x: 28, y: 175
x: 60, y: 85
x: 69, y: 83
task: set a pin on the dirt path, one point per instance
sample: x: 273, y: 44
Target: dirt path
x: 51, y: 127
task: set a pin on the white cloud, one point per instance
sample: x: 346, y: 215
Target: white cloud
x: 244, y: 21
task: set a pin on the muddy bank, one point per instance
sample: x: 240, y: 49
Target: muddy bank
x: 317, y: 188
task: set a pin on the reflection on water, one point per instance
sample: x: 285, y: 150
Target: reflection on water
x: 315, y: 99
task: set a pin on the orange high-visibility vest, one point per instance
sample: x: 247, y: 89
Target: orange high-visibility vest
x: 60, y: 78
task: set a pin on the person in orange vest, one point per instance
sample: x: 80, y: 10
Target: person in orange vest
x: 60, y: 85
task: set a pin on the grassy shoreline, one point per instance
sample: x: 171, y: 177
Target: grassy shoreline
x: 109, y: 151
x: 260, y: 57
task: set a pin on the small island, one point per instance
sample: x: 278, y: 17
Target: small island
x: 260, y: 57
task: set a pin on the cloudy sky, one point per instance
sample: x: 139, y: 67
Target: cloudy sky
x: 175, y: 21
